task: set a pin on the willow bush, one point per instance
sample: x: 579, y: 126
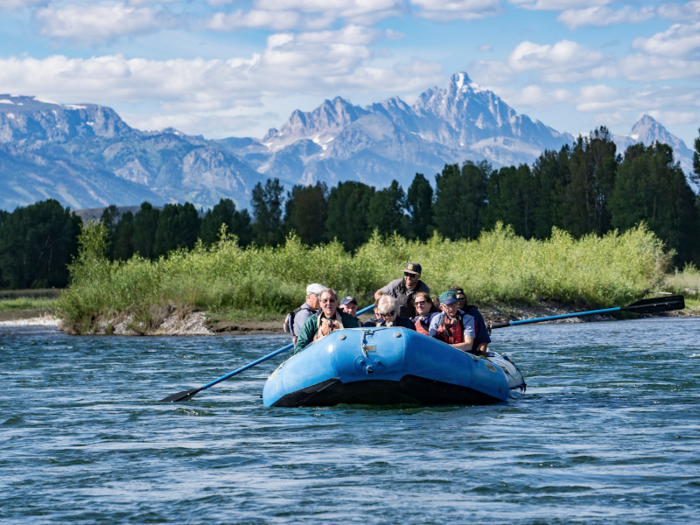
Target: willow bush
x: 498, y: 267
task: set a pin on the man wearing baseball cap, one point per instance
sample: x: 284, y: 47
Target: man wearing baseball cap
x: 296, y: 319
x: 482, y: 337
x: 451, y: 326
x: 348, y: 305
x: 404, y: 289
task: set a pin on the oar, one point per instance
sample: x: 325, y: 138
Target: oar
x: 189, y: 394
x: 645, y: 306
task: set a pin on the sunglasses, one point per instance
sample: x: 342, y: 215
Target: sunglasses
x: 418, y: 303
x: 412, y: 275
x: 390, y: 314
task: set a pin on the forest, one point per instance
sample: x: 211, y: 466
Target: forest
x: 584, y: 188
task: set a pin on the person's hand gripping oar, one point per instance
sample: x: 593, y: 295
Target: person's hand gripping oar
x: 189, y: 394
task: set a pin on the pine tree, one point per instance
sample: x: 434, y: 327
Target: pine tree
x: 460, y: 199
x: 348, y: 210
x: 237, y: 223
x: 512, y: 198
x: 122, y: 248
x: 110, y: 218
x: 592, y: 166
x: 267, y: 212
x: 37, y: 243
x: 386, y: 211
x: 306, y: 212
x: 419, y: 205
x: 145, y: 225
x: 651, y: 187
x: 696, y: 160
x: 178, y: 227
x: 551, y: 175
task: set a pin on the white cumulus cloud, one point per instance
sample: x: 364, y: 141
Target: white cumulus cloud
x: 602, y: 16
x: 678, y: 40
x: 258, y: 19
x: 565, y: 61
x: 323, y: 63
x: 687, y: 12
x: 672, y: 118
x: 99, y: 23
x: 557, y: 5
x: 447, y: 10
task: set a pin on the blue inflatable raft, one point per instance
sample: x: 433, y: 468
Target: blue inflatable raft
x: 381, y: 366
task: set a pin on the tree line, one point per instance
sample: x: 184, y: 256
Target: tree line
x: 586, y: 187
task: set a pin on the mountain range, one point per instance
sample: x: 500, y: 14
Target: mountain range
x: 86, y: 156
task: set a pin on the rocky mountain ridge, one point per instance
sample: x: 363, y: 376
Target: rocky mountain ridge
x: 86, y: 156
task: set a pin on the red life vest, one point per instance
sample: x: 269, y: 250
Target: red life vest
x: 422, y: 326
x: 451, y: 333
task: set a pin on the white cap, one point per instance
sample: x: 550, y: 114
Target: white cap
x: 315, y: 289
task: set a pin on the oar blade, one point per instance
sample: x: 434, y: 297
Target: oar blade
x: 656, y: 305
x: 185, y: 395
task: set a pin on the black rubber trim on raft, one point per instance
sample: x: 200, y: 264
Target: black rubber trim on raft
x: 410, y: 390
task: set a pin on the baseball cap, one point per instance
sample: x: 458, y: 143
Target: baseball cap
x: 347, y: 300
x: 448, y: 297
x: 315, y: 289
x: 413, y: 267
x: 459, y: 292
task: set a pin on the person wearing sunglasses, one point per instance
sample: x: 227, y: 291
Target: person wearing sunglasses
x: 425, y: 310
x: 405, y: 289
x: 388, y: 309
x: 451, y: 326
x: 328, y: 319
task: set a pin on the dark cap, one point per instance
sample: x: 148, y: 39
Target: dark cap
x: 448, y: 297
x: 347, y: 300
x: 414, y: 268
x: 459, y: 292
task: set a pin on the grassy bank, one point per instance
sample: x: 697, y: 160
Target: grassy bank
x: 27, y: 303
x: 498, y: 267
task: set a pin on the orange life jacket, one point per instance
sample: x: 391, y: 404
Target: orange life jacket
x: 452, y: 332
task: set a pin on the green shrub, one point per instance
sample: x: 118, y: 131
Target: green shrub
x: 498, y: 267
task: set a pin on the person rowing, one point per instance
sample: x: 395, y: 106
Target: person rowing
x: 451, y: 326
x: 481, y: 336
x: 425, y: 310
x: 405, y: 289
x: 327, y: 320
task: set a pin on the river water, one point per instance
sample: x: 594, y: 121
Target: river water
x: 607, y: 432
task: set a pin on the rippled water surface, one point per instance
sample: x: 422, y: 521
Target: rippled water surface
x: 607, y: 432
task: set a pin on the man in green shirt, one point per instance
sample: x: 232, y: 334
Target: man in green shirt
x: 326, y: 320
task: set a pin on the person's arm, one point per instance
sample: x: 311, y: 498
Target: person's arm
x: 434, y: 325
x: 389, y: 289
x: 299, y: 320
x: 306, y: 334
x: 482, y: 338
x: 468, y: 327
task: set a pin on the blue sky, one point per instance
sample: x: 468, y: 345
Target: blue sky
x: 231, y: 68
